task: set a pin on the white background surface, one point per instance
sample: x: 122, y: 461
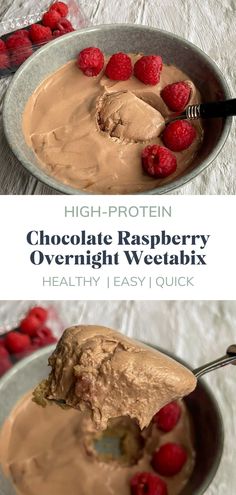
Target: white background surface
x: 195, y: 331
x: 210, y: 24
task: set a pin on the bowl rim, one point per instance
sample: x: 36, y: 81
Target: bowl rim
x: 49, y: 349
x: 58, y: 186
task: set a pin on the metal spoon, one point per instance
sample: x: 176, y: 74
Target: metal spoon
x: 229, y: 358
x: 210, y: 110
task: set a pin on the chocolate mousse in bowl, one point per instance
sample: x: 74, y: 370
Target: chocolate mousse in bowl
x: 90, y: 132
x: 82, y: 132
x: 109, y: 419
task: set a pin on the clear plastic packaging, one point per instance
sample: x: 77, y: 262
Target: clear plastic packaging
x: 11, y: 314
x: 22, y: 20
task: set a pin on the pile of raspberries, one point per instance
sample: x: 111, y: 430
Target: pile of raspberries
x: 18, y: 46
x: 31, y: 334
x: 157, y: 161
x: 167, y: 461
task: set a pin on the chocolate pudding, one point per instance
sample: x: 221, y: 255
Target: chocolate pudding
x: 54, y: 451
x: 89, y: 132
x: 107, y: 375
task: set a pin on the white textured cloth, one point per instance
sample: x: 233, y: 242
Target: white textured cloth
x: 198, y: 332
x: 210, y: 24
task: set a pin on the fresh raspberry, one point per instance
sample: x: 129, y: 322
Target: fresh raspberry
x: 119, y: 67
x: 27, y: 352
x: 5, y: 362
x: 18, y: 42
x: 43, y: 337
x: 3, y: 48
x: 30, y: 325
x: 21, y: 49
x: 22, y: 32
x: 158, y: 161
x: 60, y: 7
x: 90, y: 61
x: 50, y: 19
x: 4, y: 60
x: 3, y: 352
x: 179, y: 135
x: 168, y: 417
x: 169, y: 459
x: 58, y: 32
x: 176, y: 95
x: 148, y: 69
x: 40, y: 34
x: 17, y: 342
x: 147, y: 484
x: 64, y: 25
x: 38, y: 312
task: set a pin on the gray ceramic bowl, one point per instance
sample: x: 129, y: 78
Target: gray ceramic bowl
x: 113, y: 38
x: 202, y: 404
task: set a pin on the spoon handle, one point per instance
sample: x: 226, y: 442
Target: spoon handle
x: 229, y: 358
x: 213, y: 109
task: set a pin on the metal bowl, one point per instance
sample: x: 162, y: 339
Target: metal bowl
x: 204, y: 409
x: 112, y: 38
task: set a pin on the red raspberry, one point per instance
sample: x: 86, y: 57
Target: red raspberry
x: 64, y: 25
x: 90, y: 61
x: 168, y: 417
x: 4, y: 60
x: 57, y: 33
x: 3, y: 351
x: 147, y: 484
x: 148, y: 69
x: 43, y: 337
x: 18, y: 42
x: 60, y: 7
x: 119, y: 67
x: 30, y: 325
x: 5, y: 362
x: 3, y: 48
x: 17, y: 342
x: 179, y: 135
x: 176, y: 95
x: 22, y: 32
x: 50, y: 19
x: 169, y: 459
x: 21, y: 49
x: 40, y: 34
x: 27, y: 352
x: 39, y: 312
x: 158, y: 161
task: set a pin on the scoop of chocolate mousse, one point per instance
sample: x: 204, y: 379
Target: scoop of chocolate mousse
x: 99, y: 371
x: 126, y: 116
